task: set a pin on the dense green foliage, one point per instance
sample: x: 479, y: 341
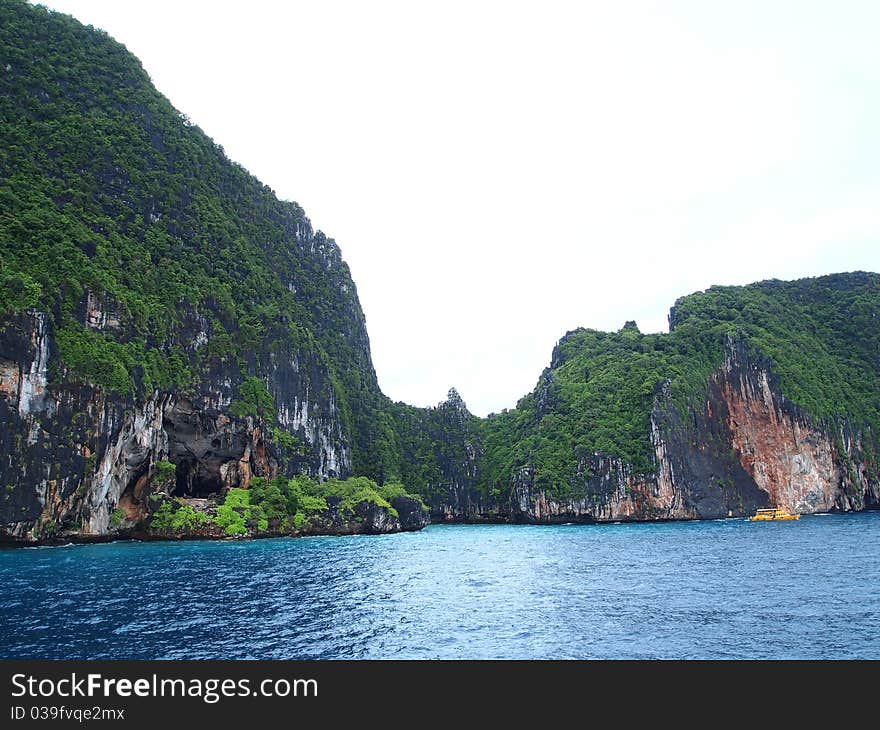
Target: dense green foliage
x: 821, y: 335
x: 175, y: 516
x: 597, y: 397
x: 274, y: 505
x: 237, y: 514
x: 164, y: 473
x: 254, y: 399
x: 355, y: 490
x: 292, y: 501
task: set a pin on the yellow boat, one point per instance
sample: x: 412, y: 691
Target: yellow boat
x: 773, y: 514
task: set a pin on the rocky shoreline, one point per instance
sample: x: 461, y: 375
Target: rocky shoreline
x: 406, y: 514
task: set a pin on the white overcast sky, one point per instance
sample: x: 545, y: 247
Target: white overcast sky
x: 497, y: 173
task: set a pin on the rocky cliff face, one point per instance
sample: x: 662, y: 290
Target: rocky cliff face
x: 73, y: 453
x: 744, y: 448
x: 801, y: 464
x: 441, y: 457
x: 454, y: 434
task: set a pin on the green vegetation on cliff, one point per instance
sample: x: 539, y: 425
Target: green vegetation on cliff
x: 112, y: 200
x: 820, y: 336
x: 436, y: 447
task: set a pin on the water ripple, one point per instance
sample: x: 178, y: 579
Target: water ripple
x: 638, y: 591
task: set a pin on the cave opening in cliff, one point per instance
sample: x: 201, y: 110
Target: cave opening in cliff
x: 194, y: 480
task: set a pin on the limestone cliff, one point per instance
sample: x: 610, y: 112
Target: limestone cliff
x: 72, y: 453
x: 158, y: 303
x: 744, y: 447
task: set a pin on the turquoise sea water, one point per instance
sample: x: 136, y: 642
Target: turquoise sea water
x: 720, y: 589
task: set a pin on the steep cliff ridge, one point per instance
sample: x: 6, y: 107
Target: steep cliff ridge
x: 158, y: 302
x: 441, y: 452
x: 760, y: 395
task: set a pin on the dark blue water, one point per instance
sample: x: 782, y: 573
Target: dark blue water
x: 725, y: 589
